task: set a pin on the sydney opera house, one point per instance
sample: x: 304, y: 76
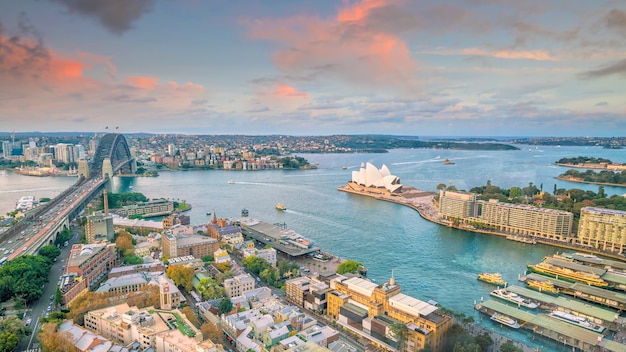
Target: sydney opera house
x: 373, y: 180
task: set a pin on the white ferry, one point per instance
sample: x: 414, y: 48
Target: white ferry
x: 576, y: 320
x: 505, y: 320
x: 513, y: 298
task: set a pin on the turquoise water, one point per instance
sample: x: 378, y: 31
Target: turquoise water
x: 429, y: 261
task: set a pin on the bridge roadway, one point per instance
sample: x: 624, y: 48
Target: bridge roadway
x: 42, y: 227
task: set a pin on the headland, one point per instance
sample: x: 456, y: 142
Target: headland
x: 424, y: 203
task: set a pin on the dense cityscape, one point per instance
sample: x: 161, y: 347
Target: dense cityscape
x: 312, y: 176
x: 218, y: 280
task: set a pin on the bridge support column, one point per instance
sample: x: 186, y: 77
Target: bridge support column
x: 107, y: 172
x: 83, y: 168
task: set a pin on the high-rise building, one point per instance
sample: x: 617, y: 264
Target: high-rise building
x: 603, y: 228
x: 457, y: 204
x: 526, y: 219
x: 98, y: 227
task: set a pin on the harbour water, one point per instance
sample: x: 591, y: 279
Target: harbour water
x: 429, y: 261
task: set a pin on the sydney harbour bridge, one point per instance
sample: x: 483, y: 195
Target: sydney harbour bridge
x: 42, y: 225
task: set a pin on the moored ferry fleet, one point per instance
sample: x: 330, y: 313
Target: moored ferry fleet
x: 552, y: 302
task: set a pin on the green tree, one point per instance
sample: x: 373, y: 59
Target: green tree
x: 191, y: 316
x: 8, y: 341
x: 58, y: 296
x: 441, y: 186
x: 225, y: 306
x: 50, y: 251
x: 349, y: 266
x: 400, y: 333
x: 182, y: 276
x: 515, y: 192
x: 484, y: 341
x: 509, y: 346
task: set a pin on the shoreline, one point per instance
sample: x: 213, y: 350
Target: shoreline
x: 578, y: 180
x: 422, y: 202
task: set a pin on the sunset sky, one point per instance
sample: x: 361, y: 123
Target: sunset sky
x: 425, y: 68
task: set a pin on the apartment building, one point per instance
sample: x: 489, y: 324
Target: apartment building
x: 268, y: 254
x: 88, y: 264
x: 603, y: 228
x: 99, y: 227
x: 182, y: 245
x: 238, y: 285
x: 526, y: 219
x: 146, y: 209
x: 457, y: 204
x: 307, y: 292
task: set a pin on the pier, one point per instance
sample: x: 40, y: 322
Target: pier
x: 552, y: 328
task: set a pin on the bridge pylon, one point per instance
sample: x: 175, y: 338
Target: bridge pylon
x: 83, y: 168
x: 107, y: 172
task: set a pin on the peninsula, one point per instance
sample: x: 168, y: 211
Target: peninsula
x: 382, y: 185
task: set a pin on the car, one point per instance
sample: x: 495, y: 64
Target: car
x: 49, y: 309
x: 28, y: 322
x: 51, y: 297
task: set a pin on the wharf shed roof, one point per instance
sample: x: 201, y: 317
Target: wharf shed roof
x: 549, y: 323
x: 591, y: 290
x: 575, y: 266
x: 592, y: 259
x: 513, y: 312
x: 546, y: 322
x: 612, y: 346
x: 616, y: 278
x: 587, y: 309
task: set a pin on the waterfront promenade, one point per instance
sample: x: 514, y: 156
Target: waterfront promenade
x: 424, y: 203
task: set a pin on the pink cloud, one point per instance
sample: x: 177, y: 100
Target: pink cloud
x: 285, y: 90
x: 143, y: 82
x: 343, y: 47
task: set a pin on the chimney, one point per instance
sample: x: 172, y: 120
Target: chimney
x: 106, y: 203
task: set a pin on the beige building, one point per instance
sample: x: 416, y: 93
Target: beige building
x: 183, y: 245
x: 459, y: 205
x: 149, y: 327
x: 99, y: 227
x: 603, y: 228
x: 364, y: 306
x: 525, y: 219
x: 238, y: 285
x: 307, y: 292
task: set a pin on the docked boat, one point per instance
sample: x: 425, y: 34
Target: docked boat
x: 281, y: 207
x: 505, y: 320
x: 521, y: 239
x: 578, y: 321
x: 513, y: 298
x: 542, y: 286
x: 568, y: 274
x: 448, y: 162
x: 492, y: 278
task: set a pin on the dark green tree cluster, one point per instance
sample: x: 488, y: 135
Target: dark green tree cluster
x: 118, y: 200
x: 604, y: 176
x: 460, y: 340
x: 349, y: 266
x: 12, y: 330
x: 583, y: 160
x: 63, y: 236
x: 49, y: 252
x: 23, y: 277
x: 286, y: 268
x: 262, y: 268
x: 294, y: 162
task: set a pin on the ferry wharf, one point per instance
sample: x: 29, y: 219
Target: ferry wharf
x: 605, y: 317
x: 544, y: 325
x: 278, y: 236
x: 612, y: 299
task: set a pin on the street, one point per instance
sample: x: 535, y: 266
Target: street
x: 39, y: 308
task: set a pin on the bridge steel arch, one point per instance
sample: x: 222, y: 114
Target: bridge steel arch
x: 114, y: 148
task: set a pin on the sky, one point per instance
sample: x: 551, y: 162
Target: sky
x: 317, y: 67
